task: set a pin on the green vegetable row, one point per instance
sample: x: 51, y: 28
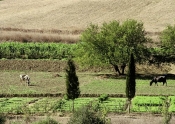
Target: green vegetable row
x: 17, y: 50
x: 153, y: 104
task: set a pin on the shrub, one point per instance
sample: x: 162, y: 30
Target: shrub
x: 59, y: 105
x: 47, y: 121
x: 2, y: 119
x: 103, y: 97
x: 86, y: 115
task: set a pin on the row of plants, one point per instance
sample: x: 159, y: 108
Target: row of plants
x: 12, y: 50
x: 21, y: 105
x: 18, y: 50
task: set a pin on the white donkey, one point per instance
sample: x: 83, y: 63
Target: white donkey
x: 24, y: 77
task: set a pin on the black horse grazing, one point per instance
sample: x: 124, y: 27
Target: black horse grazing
x: 158, y: 79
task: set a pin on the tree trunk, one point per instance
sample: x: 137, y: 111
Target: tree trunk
x: 117, y: 69
x: 129, y: 106
x: 123, y: 68
x: 73, y: 105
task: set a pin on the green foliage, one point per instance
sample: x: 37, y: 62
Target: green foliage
x: 47, y: 121
x: 130, y: 79
x: 59, y: 105
x: 12, y: 50
x: 103, y: 97
x: 165, y: 112
x: 112, y: 43
x: 72, y: 83
x: 166, y: 52
x: 172, y: 103
x: 168, y: 39
x: 152, y: 104
x: 86, y: 115
x: 110, y: 105
x: 14, y: 105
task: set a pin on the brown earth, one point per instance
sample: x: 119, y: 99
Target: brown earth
x: 115, y: 119
x: 74, y: 16
x: 77, y: 14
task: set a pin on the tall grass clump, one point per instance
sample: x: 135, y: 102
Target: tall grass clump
x: 13, y: 50
x: 48, y: 120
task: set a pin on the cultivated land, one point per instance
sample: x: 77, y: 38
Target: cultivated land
x: 63, y: 21
x: 77, y: 14
x: 48, y: 80
x: 68, y: 18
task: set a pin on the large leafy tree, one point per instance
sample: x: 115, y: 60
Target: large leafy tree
x: 168, y: 39
x: 72, y: 83
x: 112, y: 43
x: 165, y: 53
x: 168, y: 43
x: 130, y: 80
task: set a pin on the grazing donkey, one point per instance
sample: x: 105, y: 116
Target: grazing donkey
x: 24, y: 77
x: 158, y: 79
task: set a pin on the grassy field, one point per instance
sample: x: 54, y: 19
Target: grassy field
x: 48, y: 79
x: 90, y: 83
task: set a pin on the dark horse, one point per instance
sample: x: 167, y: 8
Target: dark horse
x: 158, y: 79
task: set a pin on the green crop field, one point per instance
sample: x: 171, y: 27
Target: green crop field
x: 148, y: 98
x: 28, y: 105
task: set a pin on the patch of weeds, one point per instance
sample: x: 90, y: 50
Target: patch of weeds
x: 103, y: 97
x: 87, y: 115
x: 58, y: 106
x: 48, y: 120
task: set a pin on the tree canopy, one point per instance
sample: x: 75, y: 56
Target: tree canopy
x: 168, y: 40
x: 112, y: 43
x: 165, y: 53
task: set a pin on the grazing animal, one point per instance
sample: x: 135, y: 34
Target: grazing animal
x: 158, y: 79
x: 24, y: 77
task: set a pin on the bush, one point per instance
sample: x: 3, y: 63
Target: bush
x: 58, y: 106
x: 47, y: 121
x: 103, y: 97
x: 2, y: 119
x: 86, y: 115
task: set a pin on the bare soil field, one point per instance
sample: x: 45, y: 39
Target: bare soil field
x: 115, y: 119
x: 76, y: 15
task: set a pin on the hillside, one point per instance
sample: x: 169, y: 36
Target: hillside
x: 77, y: 14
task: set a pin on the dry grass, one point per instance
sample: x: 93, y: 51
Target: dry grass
x: 37, y: 37
x: 69, y: 16
x: 77, y: 14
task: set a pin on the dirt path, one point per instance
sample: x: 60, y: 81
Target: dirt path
x: 115, y: 119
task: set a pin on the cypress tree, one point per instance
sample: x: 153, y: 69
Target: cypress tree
x: 130, y: 80
x: 72, y: 83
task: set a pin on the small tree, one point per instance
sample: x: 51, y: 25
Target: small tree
x: 130, y: 81
x: 72, y: 83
